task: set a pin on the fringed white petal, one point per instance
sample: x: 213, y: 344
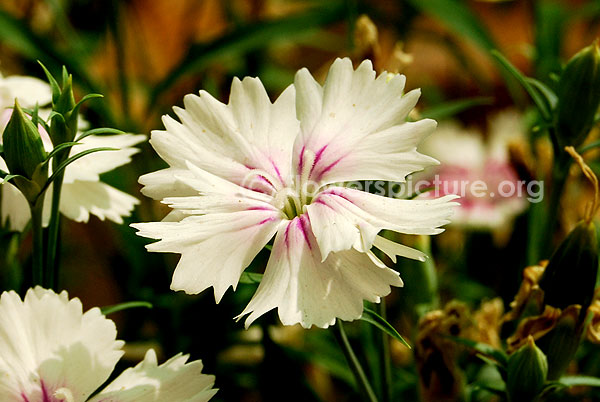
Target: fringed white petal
x: 89, y: 167
x: 355, y: 118
x: 48, y: 343
x: 14, y: 209
x: 309, y: 292
x: 215, y: 248
x: 393, y: 249
x: 233, y: 141
x: 176, y: 380
x: 343, y: 218
x: 79, y: 199
x: 28, y: 90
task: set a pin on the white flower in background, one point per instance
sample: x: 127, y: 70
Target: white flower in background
x: 466, y: 158
x: 244, y: 172
x: 14, y: 211
x: 50, y: 351
x: 82, y: 193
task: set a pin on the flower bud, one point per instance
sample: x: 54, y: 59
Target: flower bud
x: 578, y: 97
x: 570, y: 276
x: 23, y: 147
x: 562, y: 341
x: 63, y: 125
x: 526, y: 372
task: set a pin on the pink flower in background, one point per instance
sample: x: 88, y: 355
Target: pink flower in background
x: 468, y: 164
x: 243, y: 172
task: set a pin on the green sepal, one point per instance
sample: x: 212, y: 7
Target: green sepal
x: 527, y: 371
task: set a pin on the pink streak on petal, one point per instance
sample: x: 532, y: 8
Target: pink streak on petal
x: 329, y: 167
x: 301, y: 161
x: 277, y: 171
x: 303, y: 224
x: 24, y: 397
x: 45, y: 396
x: 318, y: 157
x: 266, y: 220
x: 336, y: 193
x: 287, y: 235
x: 259, y: 209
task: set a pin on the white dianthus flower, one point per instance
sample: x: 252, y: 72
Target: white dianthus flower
x: 50, y: 351
x: 82, y: 193
x: 244, y: 172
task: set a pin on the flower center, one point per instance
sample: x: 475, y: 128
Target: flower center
x: 292, y: 202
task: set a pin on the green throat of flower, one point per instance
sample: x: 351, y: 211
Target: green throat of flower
x: 292, y: 204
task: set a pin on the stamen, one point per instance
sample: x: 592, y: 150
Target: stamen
x: 287, y: 201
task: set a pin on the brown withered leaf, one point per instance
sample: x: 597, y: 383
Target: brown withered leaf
x: 439, y: 377
x: 529, y: 292
x: 540, y: 325
x: 487, y: 321
x: 593, y: 329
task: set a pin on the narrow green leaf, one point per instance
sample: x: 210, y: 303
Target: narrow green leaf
x: 72, y: 159
x: 550, y: 20
x: 124, y: 306
x: 375, y: 319
x: 545, y: 91
x: 250, y: 37
x: 451, y: 108
x: 589, y: 147
x: 53, y: 84
x: 88, y: 97
x: 60, y: 147
x: 7, y: 177
x: 579, y: 380
x: 101, y: 130
x: 483, y: 348
x: 54, y: 114
x: 251, y: 278
x: 459, y: 18
x: 540, y: 102
x: 84, y: 99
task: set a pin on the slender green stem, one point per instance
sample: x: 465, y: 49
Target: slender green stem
x: 38, y: 241
x: 53, y: 231
x: 588, y: 147
x: 357, y: 370
x: 560, y: 173
x: 384, y: 357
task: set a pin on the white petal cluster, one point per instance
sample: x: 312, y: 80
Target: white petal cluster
x: 82, y: 193
x: 50, y: 351
x: 244, y: 172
